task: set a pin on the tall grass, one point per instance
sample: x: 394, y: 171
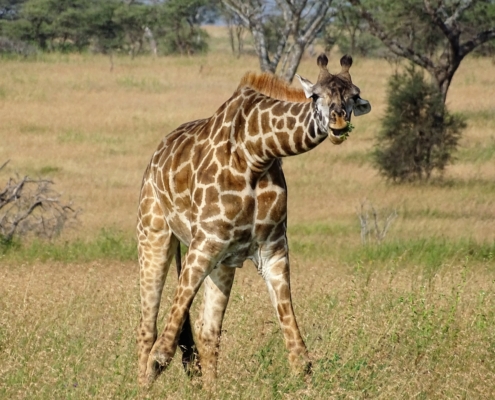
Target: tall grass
x: 68, y: 331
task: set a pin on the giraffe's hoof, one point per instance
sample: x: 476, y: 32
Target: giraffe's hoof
x: 157, y: 363
x: 300, y: 364
x: 143, y: 381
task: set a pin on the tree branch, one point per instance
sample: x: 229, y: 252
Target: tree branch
x: 450, y: 30
x: 476, y: 41
x: 396, y: 47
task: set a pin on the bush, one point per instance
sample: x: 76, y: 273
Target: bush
x: 418, y: 134
x: 10, y: 46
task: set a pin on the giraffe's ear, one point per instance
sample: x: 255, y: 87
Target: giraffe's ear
x: 306, y: 85
x: 361, y: 107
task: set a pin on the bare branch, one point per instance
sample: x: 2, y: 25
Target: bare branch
x: 293, y: 39
x: 449, y: 30
x: 32, y: 207
x: 463, y: 6
x: 366, y: 225
x: 4, y: 164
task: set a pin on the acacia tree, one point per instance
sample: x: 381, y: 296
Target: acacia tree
x: 435, y: 35
x: 297, y: 22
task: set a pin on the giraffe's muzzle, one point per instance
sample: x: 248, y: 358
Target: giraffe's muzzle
x: 339, y: 129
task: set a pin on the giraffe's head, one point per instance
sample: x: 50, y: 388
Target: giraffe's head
x: 335, y: 98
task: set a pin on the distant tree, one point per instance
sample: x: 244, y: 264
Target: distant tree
x: 35, y: 22
x: 435, y: 35
x: 281, y: 31
x: 70, y: 27
x: 236, y: 30
x: 103, y: 27
x: 9, y: 9
x: 349, y: 31
x: 418, y: 134
x: 110, y: 25
x: 50, y: 24
x: 133, y: 19
x: 178, y: 25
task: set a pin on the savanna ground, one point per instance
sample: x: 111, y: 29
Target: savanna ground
x: 412, y: 317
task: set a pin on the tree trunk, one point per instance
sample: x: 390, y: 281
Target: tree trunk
x: 293, y: 60
x: 151, y: 39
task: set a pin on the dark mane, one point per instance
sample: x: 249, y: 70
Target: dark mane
x: 273, y: 86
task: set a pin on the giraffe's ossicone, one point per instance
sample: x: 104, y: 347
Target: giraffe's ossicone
x: 216, y: 185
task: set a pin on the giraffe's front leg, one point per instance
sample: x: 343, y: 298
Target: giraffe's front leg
x: 197, y: 267
x: 275, y: 271
x: 209, y: 323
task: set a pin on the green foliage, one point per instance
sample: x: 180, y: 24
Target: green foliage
x: 418, y: 134
x: 408, y: 22
x: 177, y: 24
x: 349, y: 32
x: 108, y: 26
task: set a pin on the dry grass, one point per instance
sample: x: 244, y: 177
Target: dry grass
x: 67, y: 331
x: 392, y: 327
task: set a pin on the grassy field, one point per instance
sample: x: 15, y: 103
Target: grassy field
x: 412, y: 317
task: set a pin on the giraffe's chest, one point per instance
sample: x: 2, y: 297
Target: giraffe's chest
x: 254, y: 220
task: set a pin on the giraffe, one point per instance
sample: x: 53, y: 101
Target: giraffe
x: 217, y: 186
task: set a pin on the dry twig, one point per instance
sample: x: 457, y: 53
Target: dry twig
x: 31, y: 206
x: 370, y: 224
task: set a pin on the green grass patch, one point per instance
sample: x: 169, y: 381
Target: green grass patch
x: 319, y: 228
x: 108, y: 244
x: 479, y: 153
x: 72, y: 136
x: 33, y: 129
x: 430, y: 252
x: 49, y: 169
x: 316, y: 240
x: 147, y: 85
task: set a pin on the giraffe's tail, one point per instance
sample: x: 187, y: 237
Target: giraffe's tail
x: 190, y: 358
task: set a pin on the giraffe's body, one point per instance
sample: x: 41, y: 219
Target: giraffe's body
x: 217, y: 186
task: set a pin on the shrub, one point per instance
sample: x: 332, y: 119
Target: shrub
x: 32, y: 207
x: 418, y: 134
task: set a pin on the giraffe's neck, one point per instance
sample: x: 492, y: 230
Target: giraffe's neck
x: 274, y: 129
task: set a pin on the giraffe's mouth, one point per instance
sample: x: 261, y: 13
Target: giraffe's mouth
x: 339, y: 131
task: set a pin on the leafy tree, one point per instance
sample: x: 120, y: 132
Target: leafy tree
x: 178, y: 25
x: 109, y: 26
x: 436, y: 35
x: 349, y: 31
x: 103, y: 25
x: 9, y: 9
x: 35, y: 22
x: 133, y: 20
x: 418, y: 135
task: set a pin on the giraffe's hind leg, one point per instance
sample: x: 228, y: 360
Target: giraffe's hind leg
x: 209, y: 323
x: 190, y: 358
x: 156, y: 247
